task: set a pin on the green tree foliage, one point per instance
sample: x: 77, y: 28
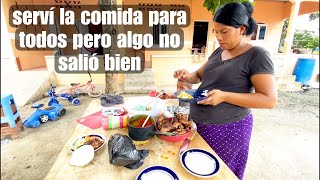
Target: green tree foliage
x: 313, y: 16
x: 214, y: 5
x: 302, y: 39
x: 305, y: 39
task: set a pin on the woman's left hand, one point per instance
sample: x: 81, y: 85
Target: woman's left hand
x: 214, y: 98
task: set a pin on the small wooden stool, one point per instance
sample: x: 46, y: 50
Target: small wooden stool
x: 10, y: 118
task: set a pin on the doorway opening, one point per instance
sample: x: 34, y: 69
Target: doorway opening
x: 200, y: 35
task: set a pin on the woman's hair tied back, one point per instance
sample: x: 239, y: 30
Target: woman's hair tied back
x: 248, y: 7
x: 235, y: 15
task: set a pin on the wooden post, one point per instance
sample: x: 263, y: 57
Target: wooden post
x: 291, y: 27
x: 288, y: 59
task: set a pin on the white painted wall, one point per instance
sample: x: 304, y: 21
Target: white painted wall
x: 8, y: 63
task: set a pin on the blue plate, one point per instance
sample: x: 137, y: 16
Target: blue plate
x: 197, y: 95
x: 154, y: 172
x: 200, y: 163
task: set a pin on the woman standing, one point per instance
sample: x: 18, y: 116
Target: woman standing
x: 238, y: 76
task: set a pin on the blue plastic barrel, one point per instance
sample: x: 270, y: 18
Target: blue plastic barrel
x: 303, y: 70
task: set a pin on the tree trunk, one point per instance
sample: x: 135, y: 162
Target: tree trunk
x: 111, y: 84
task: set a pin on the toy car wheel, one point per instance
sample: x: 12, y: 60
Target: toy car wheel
x: 306, y: 87
x: 43, y: 118
x: 76, y: 101
x: 62, y: 112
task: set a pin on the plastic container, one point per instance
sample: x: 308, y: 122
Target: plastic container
x: 110, y: 121
x: 133, y: 104
x: 303, y: 70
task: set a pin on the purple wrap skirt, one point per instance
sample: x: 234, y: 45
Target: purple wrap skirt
x: 230, y: 141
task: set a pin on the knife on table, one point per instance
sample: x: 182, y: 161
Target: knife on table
x: 187, y: 141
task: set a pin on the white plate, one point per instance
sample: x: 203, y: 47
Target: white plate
x: 200, y: 163
x: 83, y: 137
x: 82, y: 156
x: 157, y: 172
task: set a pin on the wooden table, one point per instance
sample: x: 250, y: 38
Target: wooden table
x: 160, y: 153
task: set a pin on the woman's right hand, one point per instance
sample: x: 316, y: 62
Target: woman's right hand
x: 182, y: 75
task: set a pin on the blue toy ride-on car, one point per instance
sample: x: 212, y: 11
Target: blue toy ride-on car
x: 53, y: 97
x: 39, y: 116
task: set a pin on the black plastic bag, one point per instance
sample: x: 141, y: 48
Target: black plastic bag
x: 123, y: 152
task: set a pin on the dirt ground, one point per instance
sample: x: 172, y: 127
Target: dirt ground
x: 284, y: 145
x: 285, y: 140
